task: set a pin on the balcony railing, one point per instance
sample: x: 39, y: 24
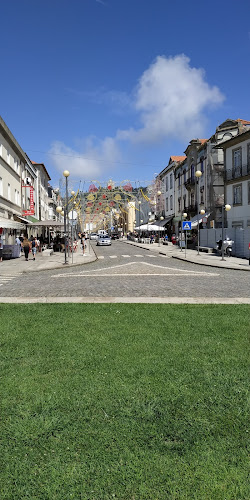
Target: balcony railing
x: 237, y: 172
x: 190, y: 182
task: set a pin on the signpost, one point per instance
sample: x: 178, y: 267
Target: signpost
x: 186, y: 226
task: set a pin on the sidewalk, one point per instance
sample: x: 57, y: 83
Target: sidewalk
x: 205, y: 259
x: 44, y: 261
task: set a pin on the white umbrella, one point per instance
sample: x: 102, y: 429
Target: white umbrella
x: 150, y: 227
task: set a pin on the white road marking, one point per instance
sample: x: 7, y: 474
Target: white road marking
x: 126, y: 256
x: 134, y: 274
x: 155, y: 266
x: 113, y: 256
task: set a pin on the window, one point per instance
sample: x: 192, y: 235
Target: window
x: 8, y: 156
x: 179, y: 179
x: 248, y: 157
x: 248, y: 190
x: 185, y: 175
x: 237, y: 158
x: 171, y: 182
x: 192, y: 172
x: 184, y: 201
x: 202, y: 165
x: 171, y: 202
x: 167, y: 204
x: 237, y: 162
x: 16, y: 196
x: 1, y: 150
x: 166, y: 183
x: 237, y: 194
x: 9, y: 192
x: 1, y: 186
x: 179, y: 204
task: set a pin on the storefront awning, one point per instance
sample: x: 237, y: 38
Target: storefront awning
x: 11, y: 224
x: 163, y: 223
x: 194, y: 220
x: 47, y: 223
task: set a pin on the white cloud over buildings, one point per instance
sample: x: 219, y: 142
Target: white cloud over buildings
x: 170, y: 101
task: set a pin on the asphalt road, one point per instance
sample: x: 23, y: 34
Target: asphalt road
x: 128, y: 271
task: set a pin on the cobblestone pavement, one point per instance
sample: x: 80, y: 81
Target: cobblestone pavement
x: 128, y: 271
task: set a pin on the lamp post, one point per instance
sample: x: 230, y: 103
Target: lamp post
x: 63, y: 213
x: 198, y: 174
x: 184, y: 215
x: 139, y: 203
x: 223, y: 208
x: 72, y: 245
x: 66, y: 208
x: 159, y: 243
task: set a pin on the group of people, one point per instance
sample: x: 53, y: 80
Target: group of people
x: 32, y: 244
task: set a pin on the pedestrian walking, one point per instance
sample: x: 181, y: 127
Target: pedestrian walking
x: 26, y: 248
x: 18, y: 243
x: 1, y: 249
x: 83, y: 244
x: 33, y: 248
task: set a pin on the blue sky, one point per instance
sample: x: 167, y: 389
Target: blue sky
x: 112, y: 88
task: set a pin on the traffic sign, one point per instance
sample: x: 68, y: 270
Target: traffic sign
x: 186, y: 225
x: 204, y: 220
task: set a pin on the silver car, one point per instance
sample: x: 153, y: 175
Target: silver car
x: 93, y: 236
x: 103, y: 239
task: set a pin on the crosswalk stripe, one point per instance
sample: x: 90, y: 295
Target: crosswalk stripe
x: 113, y: 256
x: 126, y: 255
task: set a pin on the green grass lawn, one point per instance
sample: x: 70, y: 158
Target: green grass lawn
x: 122, y: 401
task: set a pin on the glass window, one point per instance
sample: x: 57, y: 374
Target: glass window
x: 171, y: 181
x: 8, y: 191
x: 202, y: 166
x: 192, y: 172
x: 237, y: 194
x: 1, y: 186
x: 167, y: 204
x: 237, y: 157
x: 179, y: 179
x: 166, y: 183
x: 248, y: 157
x: 179, y: 204
x: 171, y: 202
x: 247, y: 190
x: 185, y: 175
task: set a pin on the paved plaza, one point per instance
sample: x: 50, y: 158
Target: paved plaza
x: 126, y: 272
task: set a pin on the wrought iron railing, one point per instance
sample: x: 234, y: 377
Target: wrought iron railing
x: 237, y: 172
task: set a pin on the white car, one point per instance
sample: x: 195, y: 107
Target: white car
x: 93, y: 236
x: 103, y: 239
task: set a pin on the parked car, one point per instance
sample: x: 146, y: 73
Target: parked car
x: 93, y: 236
x: 103, y: 239
x: 114, y: 236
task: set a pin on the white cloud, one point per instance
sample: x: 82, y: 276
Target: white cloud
x: 171, y: 99
x: 92, y: 162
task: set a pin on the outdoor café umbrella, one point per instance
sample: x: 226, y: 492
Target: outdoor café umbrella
x: 150, y: 227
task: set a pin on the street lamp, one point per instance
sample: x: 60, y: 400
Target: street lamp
x: 63, y: 213
x: 139, y: 203
x: 198, y: 175
x: 159, y: 243
x: 223, y: 208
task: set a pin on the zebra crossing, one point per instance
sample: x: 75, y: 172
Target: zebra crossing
x: 126, y: 256
x: 4, y: 279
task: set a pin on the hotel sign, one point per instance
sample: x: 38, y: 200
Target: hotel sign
x: 31, y: 210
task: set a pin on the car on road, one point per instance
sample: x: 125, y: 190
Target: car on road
x: 93, y: 236
x: 103, y: 240
x: 114, y: 236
